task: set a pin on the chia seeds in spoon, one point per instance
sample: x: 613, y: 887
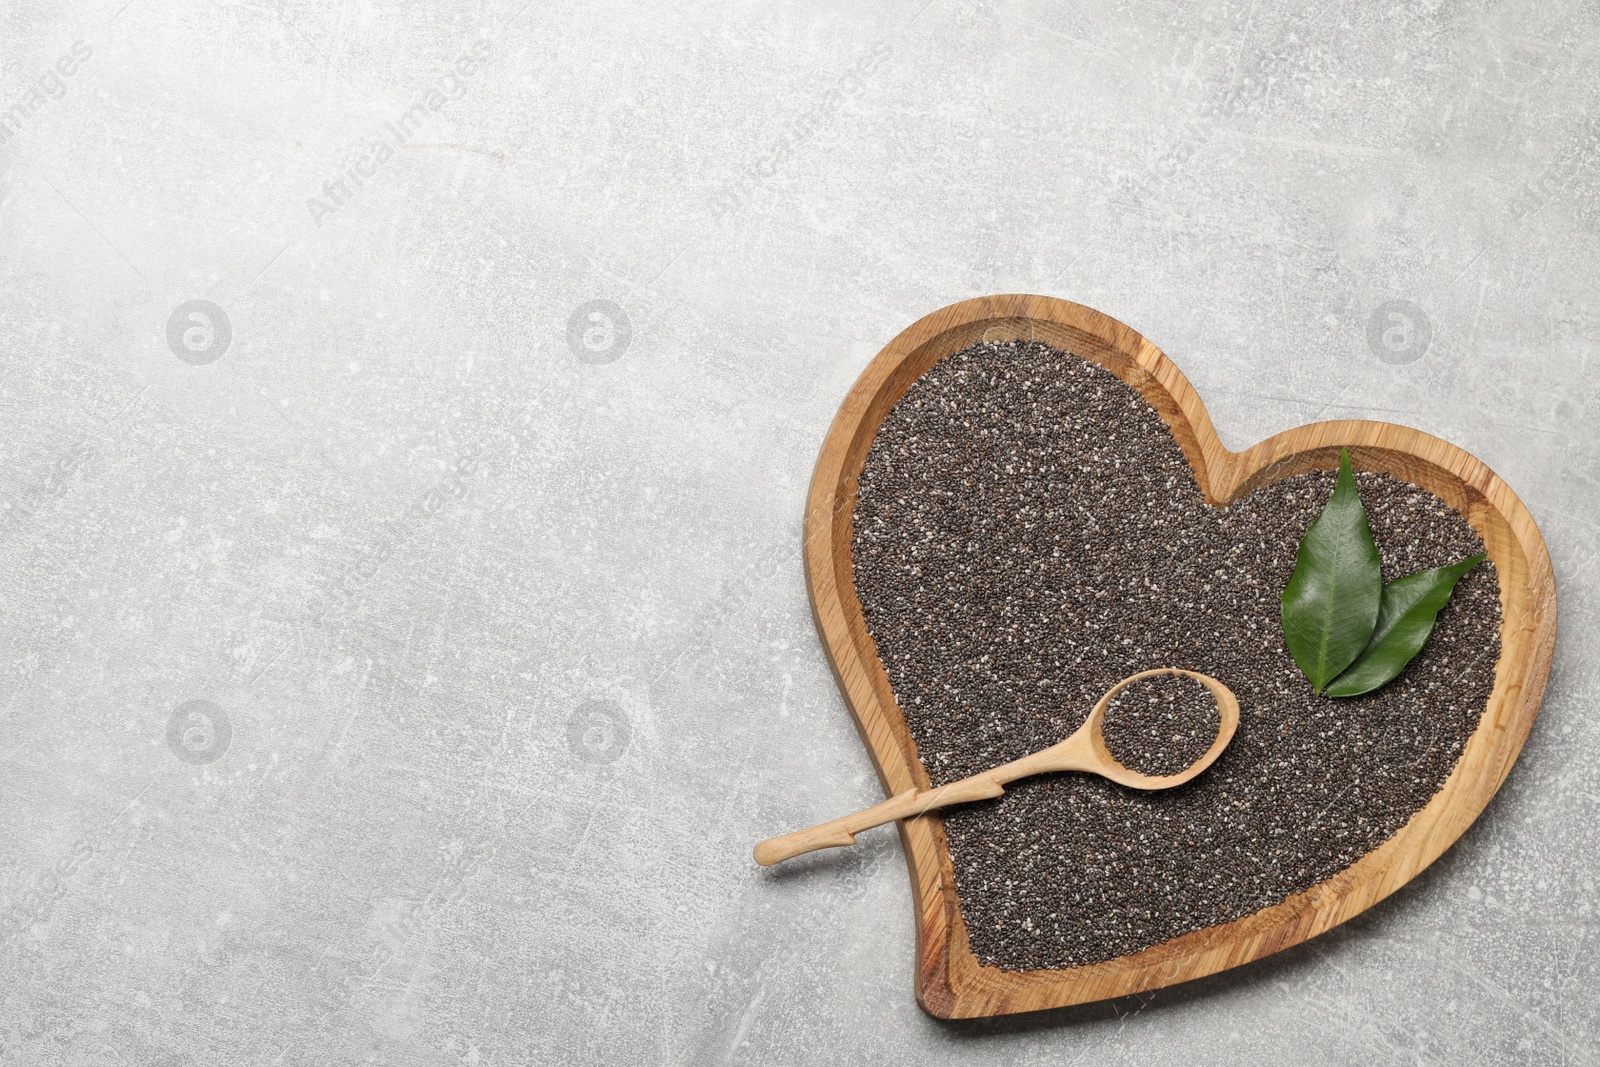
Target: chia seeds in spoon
x: 1028, y: 533
x: 1161, y: 725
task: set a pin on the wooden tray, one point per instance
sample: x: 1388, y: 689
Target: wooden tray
x: 950, y: 982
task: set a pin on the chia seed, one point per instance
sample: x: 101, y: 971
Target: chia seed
x: 1028, y: 533
x: 1160, y: 725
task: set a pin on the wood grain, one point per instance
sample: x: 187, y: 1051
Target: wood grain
x: 950, y: 982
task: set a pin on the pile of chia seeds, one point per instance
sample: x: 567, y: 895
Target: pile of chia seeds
x: 1160, y: 725
x: 1028, y: 533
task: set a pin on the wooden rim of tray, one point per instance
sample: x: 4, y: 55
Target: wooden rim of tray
x: 950, y: 982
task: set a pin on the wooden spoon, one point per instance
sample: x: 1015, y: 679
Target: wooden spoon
x: 1084, y: 750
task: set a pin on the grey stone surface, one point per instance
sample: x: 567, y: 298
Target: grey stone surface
x: 400, y: 657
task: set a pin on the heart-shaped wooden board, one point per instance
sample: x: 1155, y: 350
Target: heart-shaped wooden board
x: 950, y: 981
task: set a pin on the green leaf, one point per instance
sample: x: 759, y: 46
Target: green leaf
x: 1330, y: 606
x: 1405, y: 619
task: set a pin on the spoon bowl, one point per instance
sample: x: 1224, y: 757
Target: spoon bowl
x: 1083, y: 750
x: 1107, y: 766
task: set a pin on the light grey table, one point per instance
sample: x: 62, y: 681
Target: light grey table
x: 406, y: 416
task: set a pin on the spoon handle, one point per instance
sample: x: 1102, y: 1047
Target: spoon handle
x: 843, y: 831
